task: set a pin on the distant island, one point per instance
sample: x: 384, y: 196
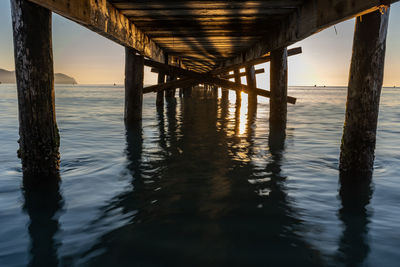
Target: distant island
x: 59, y: 78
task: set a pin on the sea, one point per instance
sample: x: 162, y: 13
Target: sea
x: 199, y: 183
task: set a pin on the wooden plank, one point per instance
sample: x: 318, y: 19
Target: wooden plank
x: 103, y: 18
x: 312, y: 17
x: 204, y: 12
x: 226, y: 5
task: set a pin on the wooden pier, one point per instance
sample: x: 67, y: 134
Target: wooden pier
x: 199, y: 42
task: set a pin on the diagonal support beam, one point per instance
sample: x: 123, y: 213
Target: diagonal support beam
x: 103, y: 18
x: 187, y: 82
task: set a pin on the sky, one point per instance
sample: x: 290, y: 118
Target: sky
x: 93, y: 59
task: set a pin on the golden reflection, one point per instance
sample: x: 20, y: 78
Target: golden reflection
x: 242, y: 111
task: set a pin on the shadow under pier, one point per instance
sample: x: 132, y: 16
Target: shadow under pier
x: 355, y: 195
x: 43, y: 203
x: 193, y: 204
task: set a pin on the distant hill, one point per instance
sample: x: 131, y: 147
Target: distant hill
x: 59, y: 78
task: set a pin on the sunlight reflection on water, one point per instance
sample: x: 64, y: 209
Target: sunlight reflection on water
x: 199, y: 183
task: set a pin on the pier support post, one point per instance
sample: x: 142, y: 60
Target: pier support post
x: 187, y: 92
x: 170, y: 94
x: 238, y: 81
x: 251, y: 81
x: 365, y: 85
x: 39, y: 138
x: 134, y: 71
x: 160, y: 94
x: 224, y: 93
x: 278, y: 84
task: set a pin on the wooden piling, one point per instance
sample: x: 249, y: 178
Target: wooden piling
x: 160, y: 94
x: 187, y: 92
x: 251, y: 81
x: 238, y: 82
x: 224, y: 93
x: 278, y: 84
x: 39, y: 138
x: 134, y: 71
x: 169, y: 94
x: 364, y: 90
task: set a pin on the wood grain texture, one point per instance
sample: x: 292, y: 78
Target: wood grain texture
x: 134, y: 74
x: 364, y: 90
x: 278, y: 85
x: 39, y: 138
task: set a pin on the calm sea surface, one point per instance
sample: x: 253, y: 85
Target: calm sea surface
x: 199, y: 184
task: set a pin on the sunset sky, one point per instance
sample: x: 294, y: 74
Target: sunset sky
x: 93, y: 59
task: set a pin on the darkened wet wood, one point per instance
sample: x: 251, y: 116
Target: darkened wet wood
x: 170, y: 93
x: 238, y: 82
x: 278, y: 84
x: 252, y: 84
x: 224, y: 93
x: 365, y: 85
x: 160, y: 94
x: 39, y: 138
x: 187, y: 91
x: 134, y: 71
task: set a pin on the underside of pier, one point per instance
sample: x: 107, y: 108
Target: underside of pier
x: 198, y: 42
x: 206, y: 35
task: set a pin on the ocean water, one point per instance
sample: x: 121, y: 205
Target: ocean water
x: 200, y: 184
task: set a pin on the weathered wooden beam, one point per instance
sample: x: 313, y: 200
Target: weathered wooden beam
x: 160, y: 94
x: 312, y: 17
x: 39, y: 138
x: 103, y: 18
x: 278, y: 85
x: 208, y: 78
x: 229, y: 76
x: 213, y: 5
x: 238, y: 82
x: 252, y: 84
x: 261, y: 60
x: 134, y: 74
x: 185, y: 82
x: 170, y: 85
x: 364, y: 90
x: 242, y: 74
x: 187, y: 91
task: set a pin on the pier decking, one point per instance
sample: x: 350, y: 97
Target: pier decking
x: 194, y: 42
